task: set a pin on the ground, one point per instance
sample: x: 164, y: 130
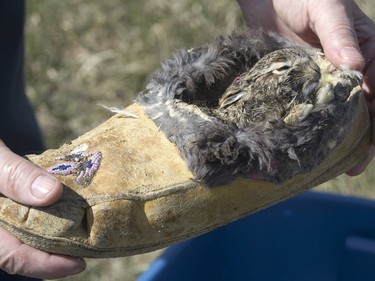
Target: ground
x: 80, y: 53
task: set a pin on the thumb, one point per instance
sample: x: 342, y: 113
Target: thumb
x: 333, y: 23
x: 25, y: 182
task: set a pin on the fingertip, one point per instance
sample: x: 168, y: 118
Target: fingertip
x: 65, y: 265
x: 25, y: 182
x: 332, y: 22
x: 46, y: 190
x: 355, y: 171
x: 78, y: 265
x: 52, y: 266
x: 351, y: 56
x: 343, y: 51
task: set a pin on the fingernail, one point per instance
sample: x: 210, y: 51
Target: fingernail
x: 80, y: 266
x: 42, y: 185
x: 352, y: 57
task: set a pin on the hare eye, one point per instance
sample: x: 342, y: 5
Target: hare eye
x: 280, y: 68
x: 285, y: 67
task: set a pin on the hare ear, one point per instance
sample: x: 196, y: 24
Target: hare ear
x: 230, y: 98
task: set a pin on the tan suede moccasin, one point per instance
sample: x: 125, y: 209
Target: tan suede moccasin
x: 194, y: 153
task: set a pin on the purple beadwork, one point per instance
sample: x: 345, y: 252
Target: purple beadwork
x: 74, y: 157
x: 64, y: 169
x: 84, y: 164
x: 87, y: 172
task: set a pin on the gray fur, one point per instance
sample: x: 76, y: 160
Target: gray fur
x: 183, y: 99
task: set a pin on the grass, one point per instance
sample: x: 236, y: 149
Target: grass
x: 80, y: 53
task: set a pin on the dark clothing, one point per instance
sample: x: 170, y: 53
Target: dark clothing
x: 6, y: 277
x: 18, y: 127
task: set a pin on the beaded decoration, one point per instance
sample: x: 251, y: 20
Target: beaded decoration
x: 79, y: 162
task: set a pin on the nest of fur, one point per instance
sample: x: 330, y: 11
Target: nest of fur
x: 181, y: 93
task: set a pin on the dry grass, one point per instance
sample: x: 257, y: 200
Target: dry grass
x: 81, y: 53
x: 84, y: 52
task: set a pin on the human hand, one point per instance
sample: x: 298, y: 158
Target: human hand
x: 28, y: 184
x: 339, y: 27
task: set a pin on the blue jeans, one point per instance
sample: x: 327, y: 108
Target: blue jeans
x: 18, y: 127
